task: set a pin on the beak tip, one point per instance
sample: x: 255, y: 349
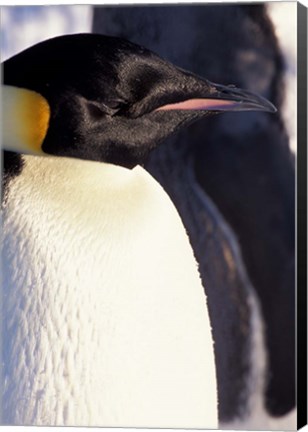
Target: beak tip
x: 244, y: 100
x: 274, y: 109
x: 267, y: 106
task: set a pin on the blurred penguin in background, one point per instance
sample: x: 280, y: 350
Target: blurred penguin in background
x: 232, y: 179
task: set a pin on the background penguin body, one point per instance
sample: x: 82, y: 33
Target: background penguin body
x: 105, y: 320
x: 242, y: 167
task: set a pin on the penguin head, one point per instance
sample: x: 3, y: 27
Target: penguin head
x: 106, y: 99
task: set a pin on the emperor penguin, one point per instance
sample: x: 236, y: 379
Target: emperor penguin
x: 104, y: 319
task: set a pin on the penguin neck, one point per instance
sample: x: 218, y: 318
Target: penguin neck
x: 80, y: 187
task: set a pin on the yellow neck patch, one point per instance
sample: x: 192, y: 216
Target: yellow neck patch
x: 25, y: 120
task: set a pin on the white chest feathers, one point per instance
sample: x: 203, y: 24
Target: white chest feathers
x: 104, y: 319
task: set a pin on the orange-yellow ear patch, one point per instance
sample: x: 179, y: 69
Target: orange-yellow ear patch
x: 25, y: 120
x: 35, y: 114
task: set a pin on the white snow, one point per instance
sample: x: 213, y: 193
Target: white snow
x: 284, y: 18
x: 23, y: 26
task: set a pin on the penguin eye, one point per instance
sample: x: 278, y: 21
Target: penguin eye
x: 116, y: 104
x: 98, y: 110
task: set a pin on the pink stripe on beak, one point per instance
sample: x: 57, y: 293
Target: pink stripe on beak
x: 201, y: 104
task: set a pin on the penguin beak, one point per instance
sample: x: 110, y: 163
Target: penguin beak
x: 223, y: 98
